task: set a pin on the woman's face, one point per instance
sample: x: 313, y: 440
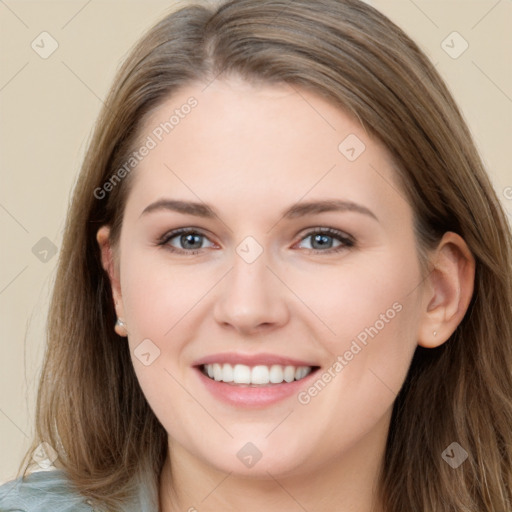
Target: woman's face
x: 298, y: 262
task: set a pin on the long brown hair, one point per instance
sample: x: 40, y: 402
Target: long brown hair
x: 90, y: 407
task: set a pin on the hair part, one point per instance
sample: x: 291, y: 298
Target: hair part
x: 90, y: 407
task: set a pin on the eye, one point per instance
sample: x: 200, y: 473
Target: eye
x: 322, y: 240
x: 189, y: 241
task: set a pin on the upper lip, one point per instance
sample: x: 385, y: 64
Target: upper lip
x: 251, y: 359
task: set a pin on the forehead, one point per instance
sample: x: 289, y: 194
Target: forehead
x: 242, y: 144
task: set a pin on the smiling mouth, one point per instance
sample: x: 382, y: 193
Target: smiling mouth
x: 255, y: 376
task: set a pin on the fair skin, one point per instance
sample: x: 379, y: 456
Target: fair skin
x: 250, y: 153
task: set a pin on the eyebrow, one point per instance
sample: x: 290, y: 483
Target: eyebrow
x: 293, y: 212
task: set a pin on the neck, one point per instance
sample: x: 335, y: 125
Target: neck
x: 348, y: 482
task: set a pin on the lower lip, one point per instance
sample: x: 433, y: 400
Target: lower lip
x: 256, y: 396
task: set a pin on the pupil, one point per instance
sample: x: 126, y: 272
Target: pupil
x: 323, y: 239
x: 190, y: 238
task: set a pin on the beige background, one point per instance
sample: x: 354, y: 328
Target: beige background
x: 48, y: 107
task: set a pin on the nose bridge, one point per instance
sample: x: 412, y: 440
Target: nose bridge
x: 251, y: 295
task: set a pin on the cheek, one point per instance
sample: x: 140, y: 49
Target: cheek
x: 372, y: 314
x: 156, y: 294
x: 160, y: 300
x: 358, y: 386
x: 362, y: 298
x: 156, y: 300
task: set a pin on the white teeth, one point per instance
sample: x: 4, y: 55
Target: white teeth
x: 217, y: 371
x: 227, y: 373
x: 276, y: 374
x: 241, y: 374
x: 260, y: 375
x: 257, y: 375
x: 289, y: 373
x: 302, y: 372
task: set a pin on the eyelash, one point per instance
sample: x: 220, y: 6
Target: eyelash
x: 347, y: 240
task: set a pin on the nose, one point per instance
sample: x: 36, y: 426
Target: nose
x: 251, y: 300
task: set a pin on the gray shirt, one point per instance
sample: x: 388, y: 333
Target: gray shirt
x: 51, y: 491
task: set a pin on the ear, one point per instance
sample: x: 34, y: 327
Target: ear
x: 448, y: 290
x: 110, y: 264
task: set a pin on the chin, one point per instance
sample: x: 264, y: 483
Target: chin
x: 261, y: 458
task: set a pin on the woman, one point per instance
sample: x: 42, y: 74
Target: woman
x: 338, y: 336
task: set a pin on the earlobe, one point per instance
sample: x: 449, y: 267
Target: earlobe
x: 448, y: 291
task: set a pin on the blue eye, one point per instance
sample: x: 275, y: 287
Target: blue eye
x: 190, y: 241
x: 188, y: 238
x: 322, y: 237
